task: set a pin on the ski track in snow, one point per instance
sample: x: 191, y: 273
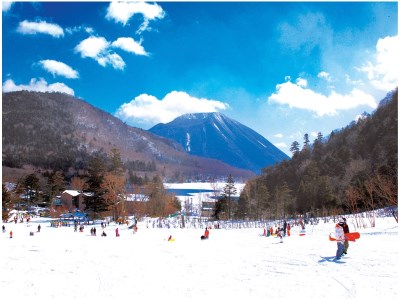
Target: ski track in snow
x: 58, y: 263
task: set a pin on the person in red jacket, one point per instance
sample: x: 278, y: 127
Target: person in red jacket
x: 206, y: 234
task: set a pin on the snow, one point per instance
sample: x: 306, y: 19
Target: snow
x: 58, y: 263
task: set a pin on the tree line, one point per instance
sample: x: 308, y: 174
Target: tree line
x: 351, y: 170
x: 104, y: 183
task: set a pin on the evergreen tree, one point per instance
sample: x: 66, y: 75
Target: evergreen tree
x: 6, y: 202
x: 295, y: 147
x: 32, y: 187
x: 229, y: 190
x: 306, y: 141
x: 116, y: 165
x: 96, y: 202
x: 55, y: 184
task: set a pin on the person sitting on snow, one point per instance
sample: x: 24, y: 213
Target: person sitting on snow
x: 206, y: 234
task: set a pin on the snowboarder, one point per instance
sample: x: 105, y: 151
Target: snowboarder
x: 103, y: 234
x: 345, y: 230
x: 339, y: 235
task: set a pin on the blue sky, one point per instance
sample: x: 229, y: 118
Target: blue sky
x: 282, y: 68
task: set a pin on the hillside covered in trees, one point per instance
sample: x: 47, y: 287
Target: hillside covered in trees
x: 58, y: 132
x: 352, y: 170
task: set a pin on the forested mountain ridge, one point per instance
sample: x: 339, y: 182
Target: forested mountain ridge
x: 354, y: 168
x: 56, y: 131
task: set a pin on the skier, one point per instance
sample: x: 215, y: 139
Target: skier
x: 38, y: 228
x: 4, y: 228
x: 288, y: 229
x: 11, y: 234
x: 345, y: 230
x: 339, y: 235
x: 116, y: 232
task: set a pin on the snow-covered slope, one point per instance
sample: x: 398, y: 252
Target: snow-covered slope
x: 58, y: 263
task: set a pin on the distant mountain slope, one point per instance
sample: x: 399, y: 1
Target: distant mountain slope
x: 58, y: 131
x: 216, y: 136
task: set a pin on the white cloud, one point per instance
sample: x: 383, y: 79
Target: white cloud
x: 147, y: 109
x: 92, y: 46
x: 36, y: 85
x: 280, y: 145
x: 27, y: 27
x: 383, y: 72
x: 6, y: 6
x: 113, y: 59
x: 325, y: 75
x: 58, y: 68
x: 86, y: 29
x: 122, y: 11
x: 278, y: 135
x: 129, y: 45
x: 301, y: 82
x: 297, y: 96
x: 97, y: 49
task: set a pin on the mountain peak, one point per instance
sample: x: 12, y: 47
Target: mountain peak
x: 214, y: 135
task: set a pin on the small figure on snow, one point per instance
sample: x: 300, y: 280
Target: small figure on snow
x: 103, y: 234
x: 288, y: 229
x: 4, y: 228
x: 345, y: 230
x: 339, y: 235
x: 116, y: 232
x: 279, y: 234
x: 11, y: 234
x: 206, y: 234
x: 284, y: 228
x: 38, y: 228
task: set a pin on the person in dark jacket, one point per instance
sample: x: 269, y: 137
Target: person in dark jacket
x: 284, y: 228
x: 345, y: 230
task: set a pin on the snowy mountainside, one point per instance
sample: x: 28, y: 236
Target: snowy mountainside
x: 214, y: 135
